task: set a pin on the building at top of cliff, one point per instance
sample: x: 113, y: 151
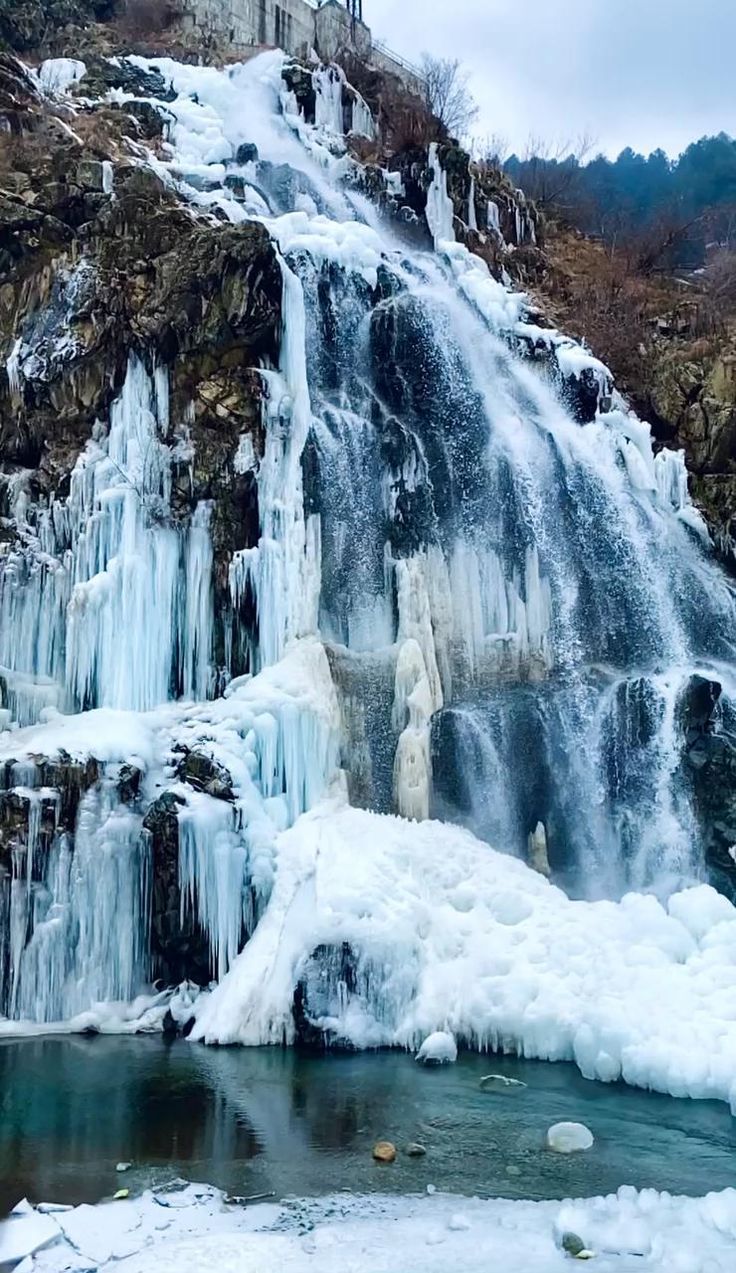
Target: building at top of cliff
x: 296, y: 26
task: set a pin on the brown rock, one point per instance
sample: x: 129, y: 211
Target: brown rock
x: 384, y: 1151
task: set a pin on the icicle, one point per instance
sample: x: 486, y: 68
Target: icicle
x: 284, y: 570
x: 89, y: 928
x: 212, y: 876
x: 328, y: 84
x: 106, y: 621
x: 494, y: 218
x: 108, y: 177
x: 14, y: 371
x: 197, y: 612
x: 440, y: 212
x: 472, y: 214
x: 362, y: 120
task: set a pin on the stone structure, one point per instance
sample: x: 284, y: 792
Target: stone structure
x: 298, y: 27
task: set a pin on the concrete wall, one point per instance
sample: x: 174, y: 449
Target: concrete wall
x: 295, y: 26
x: 286, y: 24
x: 335, y: 30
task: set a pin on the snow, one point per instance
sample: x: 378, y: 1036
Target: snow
x: 57, y: 74
x: 449, y: 935
x: 439, y: 1048
x: 569, y: 1138
x: 193, y: 1228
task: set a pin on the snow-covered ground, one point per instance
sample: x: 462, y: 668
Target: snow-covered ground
x: 194, y: 1229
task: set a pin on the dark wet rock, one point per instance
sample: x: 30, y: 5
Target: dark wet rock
x: 299, y: 81
x: 709, y: 725
x: 102, y: 75
x: 698, y: 704
x: 178, y: 951
x: 149, y: 120
x: 204, y: 774
x: 582, y: 395
x: 329, y: 974
x: 247, y: 153
x: 571, y: 1244
x: 129, y: 783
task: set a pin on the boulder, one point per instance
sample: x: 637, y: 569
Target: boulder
x: 247, y: 153
x: 384, y: 1151
x: 90, y: 175
x: 204, y: 774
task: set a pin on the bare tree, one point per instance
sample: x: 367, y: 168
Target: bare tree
x: 492, y: 150
x: 551, y: 170
x: 447, y: 94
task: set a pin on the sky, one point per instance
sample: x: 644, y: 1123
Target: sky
x: 644, y: 73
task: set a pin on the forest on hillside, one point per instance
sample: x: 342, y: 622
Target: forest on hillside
x: 681, y: 207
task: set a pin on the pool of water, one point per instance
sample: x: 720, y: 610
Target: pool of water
x: 271, y: 1121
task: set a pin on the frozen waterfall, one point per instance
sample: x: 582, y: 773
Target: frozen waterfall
x: 471, y: 598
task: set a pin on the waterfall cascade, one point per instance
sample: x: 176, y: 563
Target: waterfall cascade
x: 470, y: 599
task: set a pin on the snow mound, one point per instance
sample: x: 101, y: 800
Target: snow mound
x: 569, y: 1138
x: 439, y: 1049
x: 447, y: 935
x: 194, y: 1229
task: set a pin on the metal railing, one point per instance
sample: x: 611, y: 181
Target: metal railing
x: 379, y: 46
x: 398, y: 59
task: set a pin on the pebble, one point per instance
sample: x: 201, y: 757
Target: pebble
x: 415, y: 1150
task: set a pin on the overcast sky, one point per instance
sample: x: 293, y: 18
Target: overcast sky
x: 644, y: 73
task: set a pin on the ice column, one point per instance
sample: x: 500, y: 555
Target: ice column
x: 284, y: 570
x: 440, y: 212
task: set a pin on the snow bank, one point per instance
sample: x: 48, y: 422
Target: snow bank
x: 193, y: 1228
x: 448, y: 935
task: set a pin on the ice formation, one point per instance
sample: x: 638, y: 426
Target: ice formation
x: 440, y: 210
x: 195, y: 1229
x: 478, y: 596
x: 448, y: 935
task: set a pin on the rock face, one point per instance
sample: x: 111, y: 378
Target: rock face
x: 25, y: 23
x: 692, y: 393
x: 711, y: 764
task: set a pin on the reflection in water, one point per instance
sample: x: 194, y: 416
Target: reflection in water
x: 256, y: 1121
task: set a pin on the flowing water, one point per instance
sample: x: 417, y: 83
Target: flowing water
x: 255, y: 1121
x: 514, y: 602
